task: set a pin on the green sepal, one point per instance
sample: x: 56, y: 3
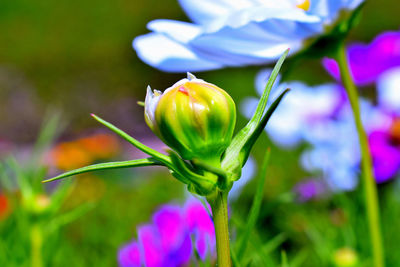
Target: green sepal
x: 199, y: 184
x: 108, y: 165
x: 155, y: 154
x: 328, y: 43
x: 223, y: 181
x: 236, y: 154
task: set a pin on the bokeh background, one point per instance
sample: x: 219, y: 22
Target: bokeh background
x: 74, y: 58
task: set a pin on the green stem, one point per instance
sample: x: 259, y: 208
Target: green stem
x: 370, y: 188
x: 36, y: 246
x: 219, y: 207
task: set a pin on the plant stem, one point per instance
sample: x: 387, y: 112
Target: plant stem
x: 36, y: 246
x: 370, y: 188
x: 219, y: 207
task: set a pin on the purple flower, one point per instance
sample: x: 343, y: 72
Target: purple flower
x: 385, y: 150
x: 310, y: 189
x: 167, y: 242
x: 369, y: 61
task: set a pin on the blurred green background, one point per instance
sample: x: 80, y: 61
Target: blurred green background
x: 75, y: 57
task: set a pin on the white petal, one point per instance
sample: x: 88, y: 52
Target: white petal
x: 388, y: 86
x: 205, y: 11
x: 183, y: 32
x: 163, y: 53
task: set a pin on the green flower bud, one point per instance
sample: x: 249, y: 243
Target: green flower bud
x: 193, y: 117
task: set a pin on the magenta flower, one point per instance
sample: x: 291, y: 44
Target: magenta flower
x: 368, y: 61
x: 385, y: 150
x: 168, y: 240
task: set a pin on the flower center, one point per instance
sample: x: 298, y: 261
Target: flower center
x: 305, y: 5
x: 395, y: 131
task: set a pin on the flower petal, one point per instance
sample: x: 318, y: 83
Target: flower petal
x: 388, y: 86
x: 129, y: 255
x: 170, y: 225
x: 150, y: 246
x: 168, y: 55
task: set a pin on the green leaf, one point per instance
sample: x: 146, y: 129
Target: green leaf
x: 5, y: 180
x: 255, y: 208
x: 155, y: 154
x: 108, y: 165
x: 58, y: 197
x: 235, y: 259
x: 260, y: 127
x: 68, y: 217
x: 233, y: 161
x: 22, y: 179
x: 263, y: 250
x: 284, y: 259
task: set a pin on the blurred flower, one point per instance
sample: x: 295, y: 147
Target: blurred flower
x: 75, y: 154
x: 193, y: 117
x: 388, y: 88
x: 345, y: 257
x: 369, y: 61
x: 4, y: 206
x: 303, y: 107
x: 100, y: 146
x: 310, y: 189
x: 385, y: 150
x: 168, y: 240
x: 334, y: 150
x: 321, y: 117
x: 384, y: 139
x: 236, y: 33
x: 379, y: 63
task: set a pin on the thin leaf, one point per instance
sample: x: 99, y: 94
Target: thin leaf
x: 255, y: 208
x: 263, y: 250
x: 235, y: 259
x: 5, y: 180
x: 58, y: 197
x: 47, y: 134
x: 68, y: 217
x: 155, y: 154
x: 232, y: 161
x: 260, y: 127
x: 21, y: 178
x: 108, y: 165
x: 299, y: 259
x: 284, y: 259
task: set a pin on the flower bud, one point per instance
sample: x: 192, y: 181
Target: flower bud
x: 193, y: 117
x: 345, y: 257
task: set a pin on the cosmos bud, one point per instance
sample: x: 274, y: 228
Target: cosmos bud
x: 193, y: 117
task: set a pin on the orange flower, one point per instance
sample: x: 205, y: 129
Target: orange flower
x: 100, y: 146
x: 69, y: 155
x: 84, y: 151
x: 4, y: 206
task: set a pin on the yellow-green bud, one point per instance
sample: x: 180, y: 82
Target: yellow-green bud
x: 193, y: 117
x: 345, y: 257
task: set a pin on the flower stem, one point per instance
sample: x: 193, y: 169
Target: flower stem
x: 370, y: 188
x: 219, y: 207
x: 36, y: 246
